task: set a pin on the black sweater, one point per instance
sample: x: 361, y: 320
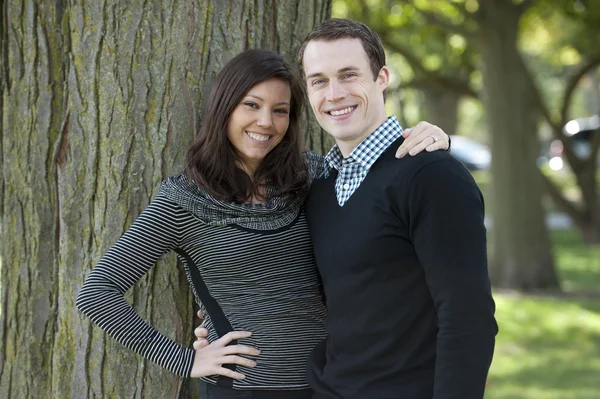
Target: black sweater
x: 404, y: 269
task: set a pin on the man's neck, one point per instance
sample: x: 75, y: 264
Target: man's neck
x: 347, y: 146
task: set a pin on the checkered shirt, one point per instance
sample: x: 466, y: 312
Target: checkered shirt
x: 353, y: 169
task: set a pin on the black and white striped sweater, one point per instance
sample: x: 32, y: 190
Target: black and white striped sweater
x: 264, y: 280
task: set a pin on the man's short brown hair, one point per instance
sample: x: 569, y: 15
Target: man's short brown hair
x: 340, y: 28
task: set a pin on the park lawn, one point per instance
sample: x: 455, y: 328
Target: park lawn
x: 548, y: 347
x: 578, y: 264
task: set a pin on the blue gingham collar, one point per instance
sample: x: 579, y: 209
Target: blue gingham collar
x: 366, y: 153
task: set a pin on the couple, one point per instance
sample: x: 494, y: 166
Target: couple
x: 359, y: 275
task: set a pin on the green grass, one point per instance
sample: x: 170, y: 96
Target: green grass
x: 578, y: 265
x: 549, y: 348
x: 546, y: 349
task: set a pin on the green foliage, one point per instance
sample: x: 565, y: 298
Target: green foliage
x: 427, y: 47
x: 557, y: 38
x: 438, y: 42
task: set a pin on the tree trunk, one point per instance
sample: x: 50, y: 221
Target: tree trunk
x: 521, y: 256
x: 441, y: 108
x: 587, y: 179
x: 591, y: 94
x: 99, y: 102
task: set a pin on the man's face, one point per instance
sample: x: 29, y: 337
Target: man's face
x: 343, y: 93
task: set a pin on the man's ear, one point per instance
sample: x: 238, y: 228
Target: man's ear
x: 383, y: 78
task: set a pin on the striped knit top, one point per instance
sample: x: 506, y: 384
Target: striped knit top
x: 255, y: 264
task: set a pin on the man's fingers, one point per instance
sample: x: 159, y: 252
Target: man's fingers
x: 229, y: 373
x: 233, y: 335
x: 242, y: 361
x: 241, y: 350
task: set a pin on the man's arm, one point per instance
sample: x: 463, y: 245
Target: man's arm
x: 446, y: 217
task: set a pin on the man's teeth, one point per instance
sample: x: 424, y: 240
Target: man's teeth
x: 259, y: 137
x: 341, y: 111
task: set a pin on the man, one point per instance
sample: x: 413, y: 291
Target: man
x: 400, y: 243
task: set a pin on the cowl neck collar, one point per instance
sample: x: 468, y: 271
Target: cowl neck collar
x: 276, y: 213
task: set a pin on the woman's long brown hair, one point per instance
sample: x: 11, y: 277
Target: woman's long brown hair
x: 211, y: 160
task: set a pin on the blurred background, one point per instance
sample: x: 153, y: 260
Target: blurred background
x: 517, y: 86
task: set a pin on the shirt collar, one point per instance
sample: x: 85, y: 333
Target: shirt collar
x: 367, y: 152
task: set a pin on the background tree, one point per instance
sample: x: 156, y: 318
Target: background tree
x: 569, y: 64
x: 476, y: 48
x: 99, y: 102
x: 437, y: 64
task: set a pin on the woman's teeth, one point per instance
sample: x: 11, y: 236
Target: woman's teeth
x: 259, y: 137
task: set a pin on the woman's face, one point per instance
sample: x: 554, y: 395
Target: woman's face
x: 259, y: 122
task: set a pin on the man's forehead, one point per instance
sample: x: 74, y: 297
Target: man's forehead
x: 325, y: 54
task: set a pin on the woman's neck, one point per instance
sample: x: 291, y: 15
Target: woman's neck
x: 254, y: 198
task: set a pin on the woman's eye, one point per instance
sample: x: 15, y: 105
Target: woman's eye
x: 251, y: 104
x: 281, y: 111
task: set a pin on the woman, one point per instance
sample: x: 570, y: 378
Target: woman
x: 235, y: 219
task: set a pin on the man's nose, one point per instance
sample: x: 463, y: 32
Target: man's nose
x: 336, y: 91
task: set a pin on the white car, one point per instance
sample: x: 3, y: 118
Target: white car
x: 580, y: 132
x: 472, y: 154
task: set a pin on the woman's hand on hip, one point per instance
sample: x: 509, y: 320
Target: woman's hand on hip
x: 210, y: 359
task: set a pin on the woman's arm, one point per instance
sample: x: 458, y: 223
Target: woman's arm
x: 152, y: 235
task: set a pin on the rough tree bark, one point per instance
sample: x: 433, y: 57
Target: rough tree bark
x: 522, y: 257
x: 99, y: 101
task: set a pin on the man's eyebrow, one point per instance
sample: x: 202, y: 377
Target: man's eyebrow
x: 261, y: 99
x: 314, y: 75
x: 348, y: 68
x: 341, y: 70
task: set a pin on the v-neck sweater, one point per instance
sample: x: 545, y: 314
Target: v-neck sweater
x: 404, y: 271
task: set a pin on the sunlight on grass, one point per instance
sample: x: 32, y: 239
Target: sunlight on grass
x: 546, y: 348
x: 578, y: 264
x: 549, y: 348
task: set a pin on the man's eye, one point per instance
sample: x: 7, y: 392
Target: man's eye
x: 349, y: 75
x: 317, y: 82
